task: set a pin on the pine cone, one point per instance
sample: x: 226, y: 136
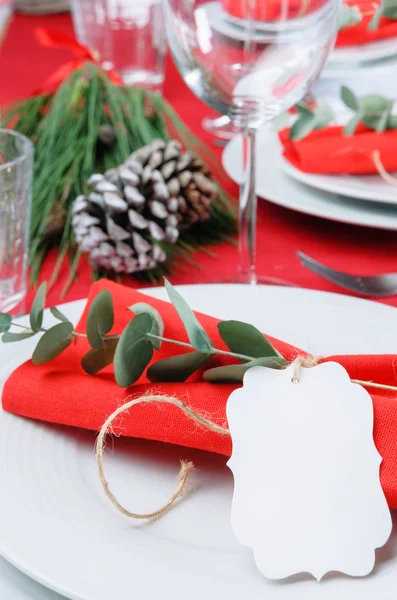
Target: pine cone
x: 157, y: 192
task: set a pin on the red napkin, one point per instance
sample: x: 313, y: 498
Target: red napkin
x: 60, y: 392
x: 329, y: 151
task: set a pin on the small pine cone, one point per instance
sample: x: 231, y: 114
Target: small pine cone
x: 147, y: 200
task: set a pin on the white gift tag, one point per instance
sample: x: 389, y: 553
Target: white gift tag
x: 307, y: 494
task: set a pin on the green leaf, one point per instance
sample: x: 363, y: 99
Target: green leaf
x: 134, y: 351
x: 349, y: 98
x: 383, y: 121
x: 392, y: 122
x: 302, y: 126
x: 348, y: 16
x: 351, y: 125
x: 5, y: 322
x: 158, y: 323
x: 9, y: 337
x: 52, y: 343
x: 374, y: 22
x: 390, y: 9
x: 100, y: 318
x: 232, y: 373
x: 36, y: 314
x: 177, y: 368
x: 196, y: 334
x: 243, y: 338
x: 96, y: 360
x: 58, y: 314
x: 323, y: 116
x: 374, y: 107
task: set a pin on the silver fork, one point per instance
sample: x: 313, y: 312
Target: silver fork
x: 375, y: 286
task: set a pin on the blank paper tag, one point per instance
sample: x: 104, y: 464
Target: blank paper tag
x: 307, y: 494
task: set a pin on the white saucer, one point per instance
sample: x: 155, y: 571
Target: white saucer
x: 276, y: 186
x: 57, y: 525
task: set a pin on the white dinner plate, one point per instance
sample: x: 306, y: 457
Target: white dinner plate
x: 277, y: 187
x: 364, y: 187
x: 14, y: 585
x: 373, y: 51
x: 57, y: 526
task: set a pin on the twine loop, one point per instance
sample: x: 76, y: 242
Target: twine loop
x: 306, y: 362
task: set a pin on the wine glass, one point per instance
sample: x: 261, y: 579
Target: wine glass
x: 267, y: 67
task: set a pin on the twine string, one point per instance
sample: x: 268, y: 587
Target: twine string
x: 381, y: 169
x: 187, y: 468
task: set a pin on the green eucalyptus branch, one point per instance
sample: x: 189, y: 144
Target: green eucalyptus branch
x: 132, y: 351
x: 374, y: 111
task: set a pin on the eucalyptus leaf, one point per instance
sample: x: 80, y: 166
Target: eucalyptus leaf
x: 374, y: 22
x: 96, y: 360
x: 383, y: 121
x: 9, y: 337
x: 374, y: 108
x: 231, y: 373
x: 352, y: 125
x: 177, y: 368
x: 158, y: 323
x: 36, y: 314
x: 100, y: 318
x: 302, y: 126
x: 390, y: 9
x: 58, y: 314
x: 134, y: 351
x: 349, y: 98
x: 5, y: 322
x: 348, y: 16
x: 53, y: 342
x: 303, y: 109
x: 243, y: 338
x: 196, y: 334
x: 323, y: 116
x: 392, y: 122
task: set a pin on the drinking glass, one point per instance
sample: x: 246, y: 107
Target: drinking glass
x: 281, y: 50
x: 16, y: 162
x: 128, y: 36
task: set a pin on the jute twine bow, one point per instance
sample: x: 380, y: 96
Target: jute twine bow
x: 187, y: 468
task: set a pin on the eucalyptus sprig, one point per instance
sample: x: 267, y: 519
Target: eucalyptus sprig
x: 373, y: 111
x: 350, y: 15
x: 132, y: 351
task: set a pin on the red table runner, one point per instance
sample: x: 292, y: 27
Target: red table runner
x: 23, y: 65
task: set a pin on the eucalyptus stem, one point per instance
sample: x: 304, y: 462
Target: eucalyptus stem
x: 186, y: 345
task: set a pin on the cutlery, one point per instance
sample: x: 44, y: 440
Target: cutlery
x: 375, y: 286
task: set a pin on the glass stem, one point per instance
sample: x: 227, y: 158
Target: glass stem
x: 247, y: 210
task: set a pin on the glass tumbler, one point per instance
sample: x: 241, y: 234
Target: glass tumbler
x: 16, y: 166
x: 128, y: 35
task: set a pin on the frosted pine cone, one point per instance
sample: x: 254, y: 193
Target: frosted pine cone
x: 157, y: 192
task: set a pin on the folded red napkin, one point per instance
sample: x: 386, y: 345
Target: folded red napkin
x: 60, y: 392
x: 349, y: 36
x: 330, y: 151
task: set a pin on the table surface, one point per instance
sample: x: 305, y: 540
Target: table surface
x: 24, y: 64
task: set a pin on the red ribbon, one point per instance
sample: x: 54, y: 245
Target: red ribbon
x: 82, y: 54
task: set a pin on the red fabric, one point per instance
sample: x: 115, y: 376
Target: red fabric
x: 60, y: 392
x: 330, y: 151
x: 280, y: 232
x: 350, y: 36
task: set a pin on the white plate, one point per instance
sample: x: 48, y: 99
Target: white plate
x: 14, y: 585
x: 57, y: 526
x: 373, y: 51
x: 276, y: 186
x: 364, y: 187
